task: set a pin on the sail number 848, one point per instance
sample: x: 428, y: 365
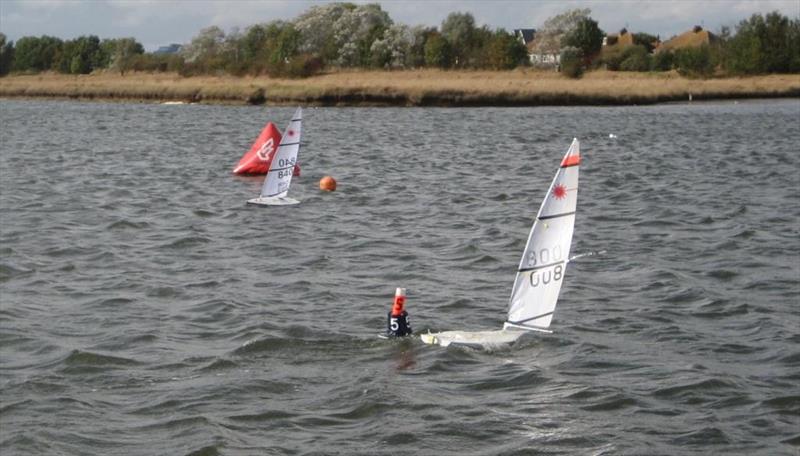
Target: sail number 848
x: 286, y: 166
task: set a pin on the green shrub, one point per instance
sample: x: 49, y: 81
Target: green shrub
x: 694, y: 62
x: 612, y: 57
x: 438, y: 52
x: 299, y: 66
x: 572, y: 62
x: 635, y: 58
x: 663, y: 61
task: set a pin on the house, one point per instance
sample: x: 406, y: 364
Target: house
x: 524, y: 36
x: 621, y: 39
x: 695, y: 37
x: 545, y: 50
x: 170, y: 49
x: 543, y: 59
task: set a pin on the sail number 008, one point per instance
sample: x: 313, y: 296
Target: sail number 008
x: 545, y: 276
x: 545, y: 256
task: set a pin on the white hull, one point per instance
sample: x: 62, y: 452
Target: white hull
x: 273, y: 201
x: 473, y: 339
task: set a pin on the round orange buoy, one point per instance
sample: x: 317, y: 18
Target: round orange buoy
x: 327, y: 183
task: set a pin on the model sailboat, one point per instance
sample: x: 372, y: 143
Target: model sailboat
x: 542, y: 267
x: 281, y: 168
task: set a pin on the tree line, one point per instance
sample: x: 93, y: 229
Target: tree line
x: 345, y: 35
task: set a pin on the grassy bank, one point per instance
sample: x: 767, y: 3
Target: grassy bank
x: 403, y: 88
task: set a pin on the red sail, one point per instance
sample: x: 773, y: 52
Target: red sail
x: 258, y: 158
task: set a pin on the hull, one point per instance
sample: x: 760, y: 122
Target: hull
x: 473, y: 339
x: 263, y: 201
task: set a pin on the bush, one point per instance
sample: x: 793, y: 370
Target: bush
x: 694, y: 62
x: 6, y: 55
x: 663, y: 61
x: 612, y: 57
x: 635, y: 58
x: 768, y: 44
x: 299, y: 66
x: 438, y: 52
x: 572, y: 62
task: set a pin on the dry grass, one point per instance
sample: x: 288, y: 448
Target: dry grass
x: 418, y: 87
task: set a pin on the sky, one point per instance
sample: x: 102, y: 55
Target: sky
x: 156, y: 23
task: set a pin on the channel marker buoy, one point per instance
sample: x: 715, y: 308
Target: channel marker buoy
x: 397, y: 324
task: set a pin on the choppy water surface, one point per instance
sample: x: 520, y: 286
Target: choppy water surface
x: 147, y: 310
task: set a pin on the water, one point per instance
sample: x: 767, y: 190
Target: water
x: 145, y: 309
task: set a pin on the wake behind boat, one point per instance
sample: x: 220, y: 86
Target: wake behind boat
x: 542, y: 267
x: 279, y: 176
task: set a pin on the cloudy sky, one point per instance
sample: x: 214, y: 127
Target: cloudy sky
x: 159, y: 22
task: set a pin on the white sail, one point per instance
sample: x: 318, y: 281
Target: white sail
x: 544, y: 261
x: 279, y: 176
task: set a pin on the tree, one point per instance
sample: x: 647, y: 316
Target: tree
x: 694, y: 61
x: 572, y: 62
x: 635, y: 58
x: 504, y: 51
x: 586, y: 36
x: 764, y: 45
x: 663, y: 61
x: 549, y: 36
x: 400, y: 47
x: 794, y: 43
x: 776, y: 49
x: 253, y: 43
x: 459, y: 30
x: 316, y: 27
x: 356, y: 30
x: 206, y: 45
x: 37, y: 53
x: 233, y: 52
x: 394, y: 48
x: 267, y: 46
x: 437, y: 51
x: 647, y: 40
x: 6, y: 55
x: 415, y: 57
x: 81, y: 55
x: 121, y: 53
x: 285, y: 44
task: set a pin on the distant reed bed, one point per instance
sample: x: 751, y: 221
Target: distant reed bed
x: 403, y: 88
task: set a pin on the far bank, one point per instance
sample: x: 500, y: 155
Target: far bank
x: 403, y: 88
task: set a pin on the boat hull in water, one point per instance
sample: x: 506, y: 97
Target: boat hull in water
x: 473, y: 339
x: 272, y: 201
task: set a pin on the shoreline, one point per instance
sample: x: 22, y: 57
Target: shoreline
x: 516, y: 88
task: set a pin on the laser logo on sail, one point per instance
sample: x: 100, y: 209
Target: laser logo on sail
x: 560, y: 191
x: 266, y: 149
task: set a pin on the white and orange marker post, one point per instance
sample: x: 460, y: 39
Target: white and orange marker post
x: 397, y: 324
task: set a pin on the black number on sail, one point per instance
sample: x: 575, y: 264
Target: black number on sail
x: 545, y: 255
x: 546, y: 276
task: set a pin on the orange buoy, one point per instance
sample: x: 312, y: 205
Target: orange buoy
x: 327, y: 183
